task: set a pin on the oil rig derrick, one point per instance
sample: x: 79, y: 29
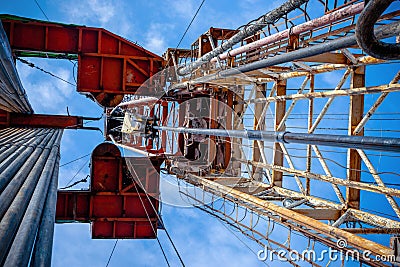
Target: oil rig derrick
x: 277, y: 128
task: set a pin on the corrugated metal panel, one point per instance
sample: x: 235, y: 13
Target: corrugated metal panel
x: 29, y: 161
x: 12, y: 95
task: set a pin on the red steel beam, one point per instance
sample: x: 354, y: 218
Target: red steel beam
x: 109, y: 66
x: 43, y: 121
x: 121, y: 202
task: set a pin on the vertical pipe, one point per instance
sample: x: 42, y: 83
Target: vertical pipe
x: 22, y: 133
x: 9, y: 135
x: 25, y: 142
x: 13, y: 163
x: 44, y: 241
x: 18, y: 140
x: 38, y: 157
x: 3, y: 132
x: 12, y: 218
x: 19, y: 253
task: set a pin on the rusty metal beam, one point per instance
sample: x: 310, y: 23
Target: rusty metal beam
x: 366, y: 231
x: 331, y: 179
x: 278, y: 156
x: 373, y: 219
x: 323, y: 68
x: 353, y: 158
x: 292, y: 216
x: 213, y: 115
x: 332, y: 93
x: 239, y: 109
x: 320, y: 214
x: 48, y: 121
x: 228, y: 125
x: 318, y: 202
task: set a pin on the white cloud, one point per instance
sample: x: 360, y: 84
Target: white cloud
x: 182, y: 8
x: 113, y: 16
x: 94, y: 10
x: 65, y: 89
x: 46, y: 94
x: 331, y: 79
x: 155, y: 38
x: 252, y: 9
x: 156, y: 44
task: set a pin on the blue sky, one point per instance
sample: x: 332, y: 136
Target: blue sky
x: 156, y: 25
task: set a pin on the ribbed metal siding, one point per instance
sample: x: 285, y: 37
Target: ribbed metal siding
x: 29, y: 161
x: 12, y: 95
